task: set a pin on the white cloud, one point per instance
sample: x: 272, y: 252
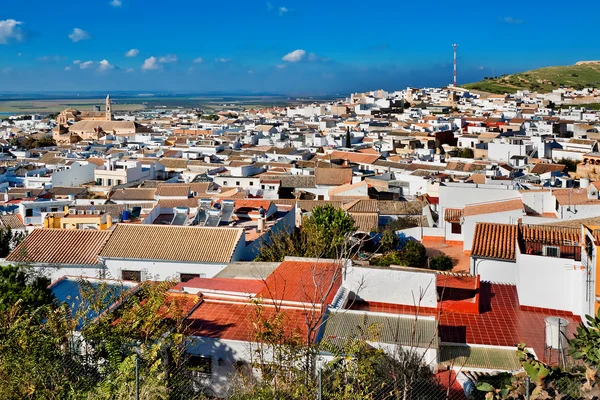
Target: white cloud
x: 86, y: 65
x: 51, y: 58
x: 19, y: 54
x: 280, y: 66
x: 169, y: 58
x: 129, y: 70
x: 132, y: 53
x: 6, y: 70
x: 223, y: 60
x: 480, y: 68
x: 68, y: 68
x: 294, y: 56
x: 198, y: 60
x: 150, y: 64
x: 10, y: 30
x: 511, y: 20
x: 78, y: 35
x: 76, y: 62
x: 116, y: 3
x: 282, y: 11
x: 104, y: 65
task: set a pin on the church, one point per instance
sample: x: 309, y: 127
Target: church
x: 74, y: 126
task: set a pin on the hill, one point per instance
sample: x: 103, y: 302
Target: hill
x: 543, y: 80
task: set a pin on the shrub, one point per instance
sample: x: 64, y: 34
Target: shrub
x: 389, y: 241
x: 440, y: 263
x: 413, y: 254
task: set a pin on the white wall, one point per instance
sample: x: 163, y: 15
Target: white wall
x: 549, y: 282
x: 496, y: 271
x: 162, y: 270
x: 56, y: 272
x: 77, y: 175
x: 392, y: 285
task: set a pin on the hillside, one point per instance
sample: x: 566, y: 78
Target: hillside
x: 543, y: 80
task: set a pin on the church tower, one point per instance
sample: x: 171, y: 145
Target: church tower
x: 108, y: 109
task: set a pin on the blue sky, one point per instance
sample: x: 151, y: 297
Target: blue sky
x: 281, y: 46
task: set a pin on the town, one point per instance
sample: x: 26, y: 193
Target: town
x: 461, y: 223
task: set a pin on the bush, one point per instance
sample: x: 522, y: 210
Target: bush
x: 389, y: 241
x: 412, y: 255
x: 440, y: 263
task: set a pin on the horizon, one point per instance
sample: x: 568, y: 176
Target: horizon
x: 265, y: 46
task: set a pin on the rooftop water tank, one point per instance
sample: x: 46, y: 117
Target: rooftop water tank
x: 126, y: 216
x: 556, y: 333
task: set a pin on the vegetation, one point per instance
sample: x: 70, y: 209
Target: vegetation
x: 402, y: 223
x: 19, y: 284
x: 441, y: 263
x: 542, y: 80
x: 413, y: 254
x: 585, y: 346
x: 571, y: 165
x: 324, y: 234
x: 389, y: 241
x: 31, y: 143
x: 591, y: 106
x: 465, y: 152
x: 9, y: 240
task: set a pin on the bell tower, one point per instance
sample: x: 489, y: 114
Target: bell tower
x: 108, y: 109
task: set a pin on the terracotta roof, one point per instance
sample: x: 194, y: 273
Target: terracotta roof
x: 492, y: 207
x: 306, y: 281
x: 61, y: 246
x: 132, y: 194
x: 173, y: 190
x: 550, y: 234
x: 453, y: 214
x: 567, y: 197
x: 172, y: 243
x: 96, y: 161
x: 339, y: 190
x: 309, y: 205
x: 366, y: 222
x: 235, y: 320
x: 494, y: 241
x: 11, y: 221
x: 173, y: 163
x: 476, y: 178
x: 542, y: 168
x: 359, y: 158
x: 191, y: 202
x: 333, y: 176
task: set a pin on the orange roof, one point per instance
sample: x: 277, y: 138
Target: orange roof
x: 309, y: 282
x: 453, y: 214
x: 543, y: 168
x: 49, y: 246
x: 566, y: 197
x: 492, y: 207
x: 494, y: 241
x: 333, y: 176
x: 358, y: 158
x: 223, y: 284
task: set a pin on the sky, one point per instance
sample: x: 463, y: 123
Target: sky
x: 281, y: 46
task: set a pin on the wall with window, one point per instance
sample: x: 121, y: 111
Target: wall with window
x: 161, y: 270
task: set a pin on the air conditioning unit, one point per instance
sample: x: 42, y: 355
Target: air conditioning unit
x: 72, y: 212
x: 88, y: 212
x: 96, y: 212
x: 80, y: 212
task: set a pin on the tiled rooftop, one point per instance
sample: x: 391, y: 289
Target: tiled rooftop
x: 494, y: 241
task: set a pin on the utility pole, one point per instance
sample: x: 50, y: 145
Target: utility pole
x: 455, y: 46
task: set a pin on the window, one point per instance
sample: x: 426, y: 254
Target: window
x: 263, y: 187
x: 224, y: 183
x: 251, y: 183
x: 99, y: 181
x: 552, y: 251
x: 271, y: 187
x: 456, y: 228
x: 201, y: 364
x: 29, y: 212
x: 188, y: 277
x: 109, y: 182
x: 237, y: 183
x: 128, y: 275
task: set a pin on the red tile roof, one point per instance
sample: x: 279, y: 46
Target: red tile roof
x: 309, y: 282
x: 453, y: 214
x: 61, y: 246
x: 493, y: 207
x: 494, y: 241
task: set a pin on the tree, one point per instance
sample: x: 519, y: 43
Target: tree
x: 570, y: 165
x: 324, y: 234
x: 465, y: 152
x: 413, y: 254
x: 20, y: 285
x: 441, y: 263
x: 388, y: 241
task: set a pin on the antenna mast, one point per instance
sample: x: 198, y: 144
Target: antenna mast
x: 455, y: 46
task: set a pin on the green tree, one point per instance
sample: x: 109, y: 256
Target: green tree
x: 570, y: 165
x: 585, y: 346
x: 465, y: 152
x: 323, y: 234
x: 413, y: 254
x: 388, y: 241
x: 19, y: 284
x: 441, y: 263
